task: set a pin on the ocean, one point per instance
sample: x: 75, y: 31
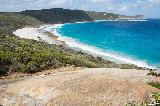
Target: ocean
x: 135, y: 42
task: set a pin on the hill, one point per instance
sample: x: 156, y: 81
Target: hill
x: 60, y: 15
x: 11, y: 21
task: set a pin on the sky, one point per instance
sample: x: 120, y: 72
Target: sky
x: 150, y: 8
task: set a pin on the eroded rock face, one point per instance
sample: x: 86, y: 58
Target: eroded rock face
x: 113, y: 87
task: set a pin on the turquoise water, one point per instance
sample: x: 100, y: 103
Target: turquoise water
x: 138, y: 40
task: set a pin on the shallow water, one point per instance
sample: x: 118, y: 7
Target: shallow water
x: 129, y: 41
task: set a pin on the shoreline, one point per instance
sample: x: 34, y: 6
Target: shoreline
x: 38, y: 34
x: 92, y: 50
x: 47, y: 34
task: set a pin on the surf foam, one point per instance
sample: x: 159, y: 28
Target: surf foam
x: 74, y: 43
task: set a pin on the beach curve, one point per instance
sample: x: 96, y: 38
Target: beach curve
x: 75, y: 44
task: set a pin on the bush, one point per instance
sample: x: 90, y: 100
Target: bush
x: 153, y: 101
x: 32, y: 66
x: 3, y: 69
x: 155, y: 84
x: 157, y: 98
x: 154, y: 73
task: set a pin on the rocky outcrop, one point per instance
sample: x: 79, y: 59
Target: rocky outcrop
x: 101, y: 86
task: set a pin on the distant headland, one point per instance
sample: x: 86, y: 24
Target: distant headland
x: 60, y: 15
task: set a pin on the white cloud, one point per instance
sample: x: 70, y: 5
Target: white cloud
x: 154, y: 1
x: 60, y: 2
x: 129, y: 7
x: 99, y: 1
x: 124, y: 8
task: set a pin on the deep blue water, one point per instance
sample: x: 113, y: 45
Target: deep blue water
x: 137, y: 39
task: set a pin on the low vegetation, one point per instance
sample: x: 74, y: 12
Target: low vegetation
x: 9, y: 22
x: 154, y: 73
x: 155, y: 84
x: 154, y: 101
x: 30, y: 56
x: 156, y: 97
x: 60, y: 15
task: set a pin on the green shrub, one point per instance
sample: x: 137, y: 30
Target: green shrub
x: 30, y: 67
x: 153, y: 101
x: 3, y: 69
x: 157, y: 98
x: 23, y: 68
x: 11, y: 21
x: 155, y: 84
x: 154, y: 73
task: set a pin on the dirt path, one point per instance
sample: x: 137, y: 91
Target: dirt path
x: 78, y: 87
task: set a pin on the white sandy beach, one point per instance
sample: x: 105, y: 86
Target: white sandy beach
x: 36, y: 34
